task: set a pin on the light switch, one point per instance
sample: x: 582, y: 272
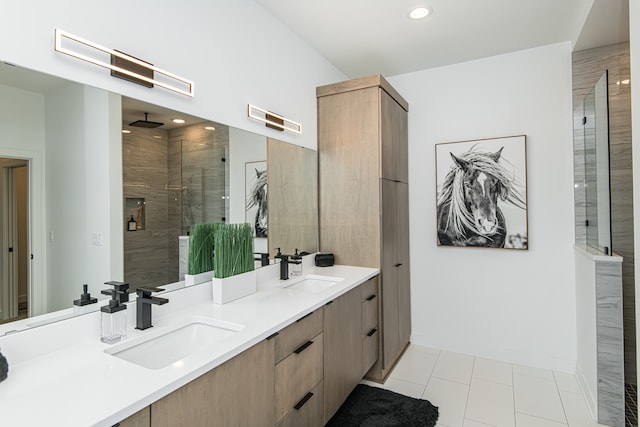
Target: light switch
x: 97, y: 239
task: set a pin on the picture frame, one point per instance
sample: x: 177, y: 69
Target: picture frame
x: 481, y: 193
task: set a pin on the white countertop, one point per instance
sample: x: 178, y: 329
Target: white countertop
x: 59, y: 374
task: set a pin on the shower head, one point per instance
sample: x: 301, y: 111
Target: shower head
x: 145, y: 123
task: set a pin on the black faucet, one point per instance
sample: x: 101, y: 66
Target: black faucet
x: 121, y: 289
x: 143, y: 306
x: 264, y: 258
x: 284, y: 264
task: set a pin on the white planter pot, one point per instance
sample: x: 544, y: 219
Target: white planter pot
x: 194, y: 279
x: 234, y: 287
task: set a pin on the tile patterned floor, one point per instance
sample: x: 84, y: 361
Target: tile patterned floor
x: 476, y: 392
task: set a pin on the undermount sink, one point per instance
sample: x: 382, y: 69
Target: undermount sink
x: 159, y: 350
x: 312, y: 283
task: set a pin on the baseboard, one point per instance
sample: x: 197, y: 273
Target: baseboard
x: 589, y: 395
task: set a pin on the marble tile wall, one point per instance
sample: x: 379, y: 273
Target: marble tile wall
x: 144, y: 166
x: 588, y: 66
x: 610, y: 337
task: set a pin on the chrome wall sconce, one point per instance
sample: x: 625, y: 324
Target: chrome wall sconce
x: 273, y: 120
x: 121, y: 65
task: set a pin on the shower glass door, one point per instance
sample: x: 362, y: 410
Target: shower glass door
x: 596, y: 152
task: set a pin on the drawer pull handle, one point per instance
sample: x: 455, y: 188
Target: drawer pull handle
x: 303, y: 347
x: 398, y: 265
x: 371, y: 332
x: 304, y: 317
x: 300, y: 404
x: 330, y: 302
x: 371, y: 297
x: 272, y: 336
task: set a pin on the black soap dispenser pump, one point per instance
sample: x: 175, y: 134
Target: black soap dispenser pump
x: 296, y: 264
x: 86, y: 304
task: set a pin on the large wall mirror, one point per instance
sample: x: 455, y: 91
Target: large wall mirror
x: 97, y: 186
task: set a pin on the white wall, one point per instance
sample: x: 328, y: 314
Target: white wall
x: 234, y: 51
x: 517, y: 306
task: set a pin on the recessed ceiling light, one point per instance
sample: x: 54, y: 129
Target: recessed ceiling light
x: 126, y: 131
x: 180, y: 121
x: 420, y: 12
x: 209, y: 128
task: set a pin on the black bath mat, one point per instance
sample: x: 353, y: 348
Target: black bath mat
x: 375, y: 407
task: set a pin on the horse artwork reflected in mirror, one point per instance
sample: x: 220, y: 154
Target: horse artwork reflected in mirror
x: 481, y: 197
x: 257, y: 205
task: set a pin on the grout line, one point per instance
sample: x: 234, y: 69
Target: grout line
x: 513, y: 392
x: 543, y: 418
x: 564, y: 411
x: 466, y: 403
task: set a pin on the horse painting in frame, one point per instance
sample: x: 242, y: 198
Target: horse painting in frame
x: 482, y: 194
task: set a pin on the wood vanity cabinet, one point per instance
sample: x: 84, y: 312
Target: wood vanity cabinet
x: 299, y: 350
x: 343, y: 349
x: 363, y: 196
x: 142, y: 418
x: 237, y: 393
x: 369, y: 331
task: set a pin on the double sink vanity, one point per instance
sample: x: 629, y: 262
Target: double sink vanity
x: 287, y: 355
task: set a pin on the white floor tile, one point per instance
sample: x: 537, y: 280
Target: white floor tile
x: 576, y: 410
x: 493, y: 370
x: 490, y: 403
x: 533, y: 372
x: 567, y: 382
x: 523, y: 420
x: 404, y: 387
x: 454, y: 367
x: 416, y: 365
x: 471, y: 423
x: 450, y: 397
x: 538, y: 397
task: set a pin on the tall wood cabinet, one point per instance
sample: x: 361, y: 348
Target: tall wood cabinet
x: 363, y: 196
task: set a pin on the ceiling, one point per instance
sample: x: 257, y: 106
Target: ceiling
x: 363, y: 37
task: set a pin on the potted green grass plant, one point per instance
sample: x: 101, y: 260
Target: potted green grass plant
x: 200, y: 262
x: 234, y: 274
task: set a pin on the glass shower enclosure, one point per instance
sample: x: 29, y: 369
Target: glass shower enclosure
x: 595, y: 133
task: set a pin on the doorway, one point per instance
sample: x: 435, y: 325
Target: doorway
x: 14, y: 238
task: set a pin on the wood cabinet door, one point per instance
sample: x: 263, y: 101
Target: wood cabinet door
x: 142, y: 418
x: 403, y: 271
x: 394, y: 161
x: 236, y: 393
x: 348, y: 169
x: 389, y: 277
x: 342, y: 350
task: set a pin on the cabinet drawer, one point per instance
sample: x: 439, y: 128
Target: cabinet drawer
x: 369, y: 305
x: 296, y: 334
x: 369, y: 288
x: 297, y: 374
x: 369, y: 350
x: 307, y: 411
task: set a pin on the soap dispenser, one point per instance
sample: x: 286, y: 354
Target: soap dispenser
x: 114, y: 319
x: 85, y: 304
x: 296, y: 264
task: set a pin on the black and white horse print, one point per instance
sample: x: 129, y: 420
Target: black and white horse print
x: 258, y: 199
x: 468, y: 209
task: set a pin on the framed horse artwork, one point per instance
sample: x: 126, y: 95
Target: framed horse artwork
x: 482, y: 193
x: 256, y: 210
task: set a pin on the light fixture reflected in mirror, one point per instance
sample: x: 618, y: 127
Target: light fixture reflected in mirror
x: 273, y: 120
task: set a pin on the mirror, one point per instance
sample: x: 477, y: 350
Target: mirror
x: 87, y: 180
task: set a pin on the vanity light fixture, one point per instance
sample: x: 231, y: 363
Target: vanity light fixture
x: 178, y: 121
x: 420, y: 12
x: 209, y: 128
x: 273, y: 120
x: 172, y: 82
